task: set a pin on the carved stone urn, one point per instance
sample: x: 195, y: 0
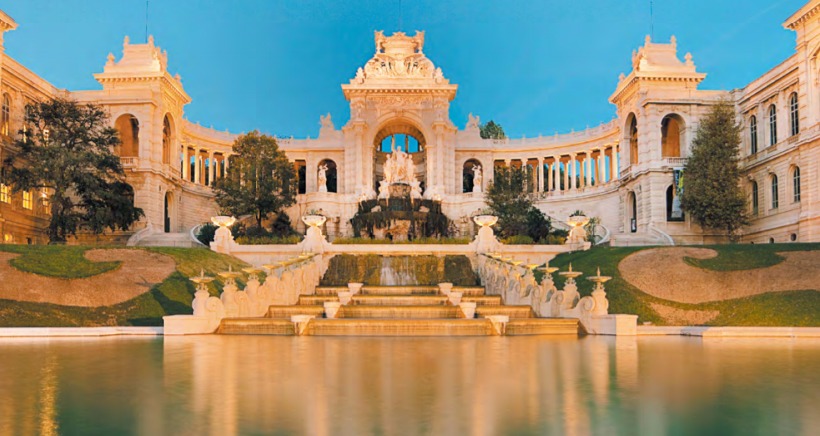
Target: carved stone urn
x: 485, y: 240
x: 577, y: 234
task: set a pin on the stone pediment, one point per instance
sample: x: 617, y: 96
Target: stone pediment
x: 399, y: 63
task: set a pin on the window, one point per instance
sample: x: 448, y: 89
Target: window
x: 5, y: 193
x: 794, y: 118
x: 5, y: 117
x: 671, y: 133
x: 27, y: 200
x: 633, y: 141
x: 772, y: 125
x: 755, y: 196
x: 775, y: 198
x: 796, y: 184
x: 301, y: 172
x: 753, y: 134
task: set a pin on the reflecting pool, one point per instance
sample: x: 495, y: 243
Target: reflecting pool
x: 395, y: 386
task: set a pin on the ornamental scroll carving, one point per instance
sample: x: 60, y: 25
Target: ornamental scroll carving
x: 392, y: 102
x: 399, y: 56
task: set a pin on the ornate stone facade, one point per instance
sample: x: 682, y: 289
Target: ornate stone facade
x: 622, y: 171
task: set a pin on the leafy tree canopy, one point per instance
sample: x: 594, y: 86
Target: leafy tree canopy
x: 491, y: 130
x: 711, y: 190
x: 260, y: 180
x: 508, y: 200
x: 65, y: 151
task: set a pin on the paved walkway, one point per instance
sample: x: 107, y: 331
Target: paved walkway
x: 140, y: 270
x: 662, y: 272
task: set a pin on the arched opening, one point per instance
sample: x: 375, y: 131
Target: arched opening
x: 632, y: 136
x: 471, y: 170
x: 796, y: 184
x: 128, y: 127
x: 5, y: 116
x: 794, y: 114
x: 407, y: 146
x: 673, y: 209
x: 775, y: 194
x: 327, y: 171
x: 167, y: 139
x: 772, y: 125
x: 753, y: 134
x: 632, y: 208
x: 169, y: 200
x: 755, y: 199
x: 671, y: 135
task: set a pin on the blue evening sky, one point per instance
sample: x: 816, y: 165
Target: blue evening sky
x: 533, y: 66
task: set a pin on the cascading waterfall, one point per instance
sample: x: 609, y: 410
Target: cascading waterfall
x: 397, y: 271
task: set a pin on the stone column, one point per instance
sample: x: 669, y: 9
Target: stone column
x: 540, y: 177
x: 602, y: 166
x: 550, y: 187
x: 574, y: 173
x: 211, y: 168
x: 186, y: 164
x: 588, y: 167
x: 556, y: 169
x: 613, y: 163
x: 507, y: 162
x: 197, y: 170
x: 566, y: 175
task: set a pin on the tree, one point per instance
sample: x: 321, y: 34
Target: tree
x: 491, y: 130
x: 66, y: 151
x: 711, y: 190
x: 508, y: 199
x: 260, y: 179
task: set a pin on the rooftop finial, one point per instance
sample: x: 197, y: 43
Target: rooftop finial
x: 126, y: 41
x: 647, y: 40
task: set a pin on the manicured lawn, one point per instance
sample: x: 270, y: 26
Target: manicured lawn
x: 792, y: 308
x: 739, y: 257
x: 65, y: 262
x: 172, y: 296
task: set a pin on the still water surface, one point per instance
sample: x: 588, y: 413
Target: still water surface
x: 396, y: 386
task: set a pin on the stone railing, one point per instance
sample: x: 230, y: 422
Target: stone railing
x: 675, y: 161
x: 516, y: 284
x: 284, y: 283
x: 128, y: 162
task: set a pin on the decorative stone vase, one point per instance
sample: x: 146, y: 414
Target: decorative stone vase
x: 445, y: 288
x: 485, y: 220
x: 355, y: 288
x: 314, y: 220
x: 468, y: 308
x: 577, y: 234
x: 223, y: 221
x: 332, y: 308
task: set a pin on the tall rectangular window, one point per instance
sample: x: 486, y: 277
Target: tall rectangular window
x: 794, y: 115
x: 755, y: 195
x: 27, y: 202
x: 796, y: 181
x: 775, y: 196
x: 772, y: 125
x: 753, y: 134
x: 5, y: 193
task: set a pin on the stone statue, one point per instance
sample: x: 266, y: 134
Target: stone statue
x: 323, y: 176
x: 384, y: 191
x: 360, y: 75
x: 415, y: 190
x: 399, y: 166
x: 326, y: 122
x: 477, y: 178
x: 472, y: 122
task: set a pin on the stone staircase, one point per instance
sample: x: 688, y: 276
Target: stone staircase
x: 168, y: 240
x: 400, y: 311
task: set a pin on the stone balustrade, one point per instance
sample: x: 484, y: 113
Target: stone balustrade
x: 516, y: 284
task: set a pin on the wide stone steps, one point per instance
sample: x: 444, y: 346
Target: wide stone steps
x: 399, y: 311
x: 400, y: 290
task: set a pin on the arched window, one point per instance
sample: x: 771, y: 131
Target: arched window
x: 632, y: 205
x: 633, y: 141
x: 671, y: 133
x: 753, y: 134
x: 755, y: 196
x: 331, y: 182
x: 796, y: 184
x: 129, y: 129
x: 167, y: 133
x: 673, y: 209
x: 5, y: 117
x: 468, y: 175
x: 772, y: 125
x: 794, y: 114
x: 775, y: 197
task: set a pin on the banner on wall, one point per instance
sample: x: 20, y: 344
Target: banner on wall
x: 677, y: 212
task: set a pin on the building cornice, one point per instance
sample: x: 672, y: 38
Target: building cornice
x: 804, y: 14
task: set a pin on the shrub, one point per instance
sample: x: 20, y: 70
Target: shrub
x: 206, y: 233
x: 282, y: 225
x: 518, y: 240
x: 269, y: 240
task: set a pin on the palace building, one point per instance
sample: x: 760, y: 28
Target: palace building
x: 623, y: 172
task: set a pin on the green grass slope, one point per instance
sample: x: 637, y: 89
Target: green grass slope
x: 793, y: 308
x: 172, y: 296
